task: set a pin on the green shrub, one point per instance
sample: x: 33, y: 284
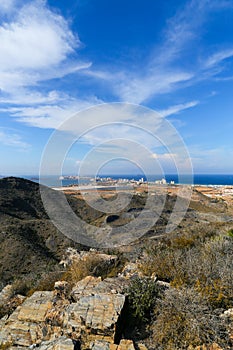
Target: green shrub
x: 142, y: 297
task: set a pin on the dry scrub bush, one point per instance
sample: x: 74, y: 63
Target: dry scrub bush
x: 93, y: 265
x: 22, y: 286
x: 183, y: 318
x: 230, y: 233
x: 5, y: 346
x: 45, y: 282
x: 82, y: 268
x: 215, y: 272
x: 208, y: 267
x: 164, y: 262
x: 5, y: 310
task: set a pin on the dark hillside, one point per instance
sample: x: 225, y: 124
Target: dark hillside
x: 29, y: 243
x: 20, y: 199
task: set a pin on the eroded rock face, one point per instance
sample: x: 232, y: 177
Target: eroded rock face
x: 94, y: 285
x: 85, y: 287
x: 59, y: 320
x: 96, y: 312
x: 213, y: 346
x: 95, y: 316
x: 34, y: 309
x: 61, y: 343
x: 25, y: 325
x: 103, y: 345
x: 6, y: 294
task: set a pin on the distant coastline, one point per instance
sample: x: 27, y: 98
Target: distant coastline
x: 198, y: 179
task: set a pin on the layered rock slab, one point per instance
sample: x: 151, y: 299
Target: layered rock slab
x: 25, y: 325
x: 89, y: 315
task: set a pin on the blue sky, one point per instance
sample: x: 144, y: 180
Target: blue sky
x: 60, y: 57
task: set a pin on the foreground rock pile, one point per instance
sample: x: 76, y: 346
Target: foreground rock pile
x: 87, y: 317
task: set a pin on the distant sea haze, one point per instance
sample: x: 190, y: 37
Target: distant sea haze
x: 198, y: 179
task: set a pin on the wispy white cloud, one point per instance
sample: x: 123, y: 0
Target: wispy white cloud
x: 140, y: 89
x: 27, y: 97
x: 159, y: 73
x: 49, y: 115
x: 218, y: 57
x: 178, y: 108
x: 165, y: 69
x: 230, y: 78
x: 9, y: 138
x: 35, y: 46
x: 124, y: 131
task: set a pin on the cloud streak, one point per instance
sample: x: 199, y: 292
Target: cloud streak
x: 35, y: 46
x: 218, y: 57
x: 164, y: 70
x: 8, y: 138
x: 178, y: 108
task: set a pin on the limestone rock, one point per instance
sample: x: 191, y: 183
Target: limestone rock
x: 25, y: 326
x: 103, y: 345
x: 96, y: 316
x: 10, y: 305
x: 228, y: 313
x: 50, y: 320
x: 97, y: 309
x: 94, y: 285
x: 126, y: 345
x: 141, y: 346
x: 112, y: 285
x: 6, y: 294
x: 34, y: 308
x: 130, y: 270
x: 85, y: 287
x: 213, y: 346
x: 61, y: 343
x: 61, y: 289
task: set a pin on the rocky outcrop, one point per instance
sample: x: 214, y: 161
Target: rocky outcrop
x: 61, y: 343
x: 95, y: 313
x: 94, y: 285
x: 88, y: 317
x: 6, y: 294
x: 25, y: 326
x: 95, y: 316
x: 103, y: 345
x: 9, y: 301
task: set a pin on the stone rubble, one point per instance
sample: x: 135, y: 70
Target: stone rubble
x: 6, y: 294
x: 102, y: 345
x: 73, y: 255
x: 86, y: 318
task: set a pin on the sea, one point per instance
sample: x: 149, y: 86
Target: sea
x: 196, y: 179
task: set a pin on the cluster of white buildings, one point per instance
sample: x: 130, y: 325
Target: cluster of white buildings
x: 164, y: 182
